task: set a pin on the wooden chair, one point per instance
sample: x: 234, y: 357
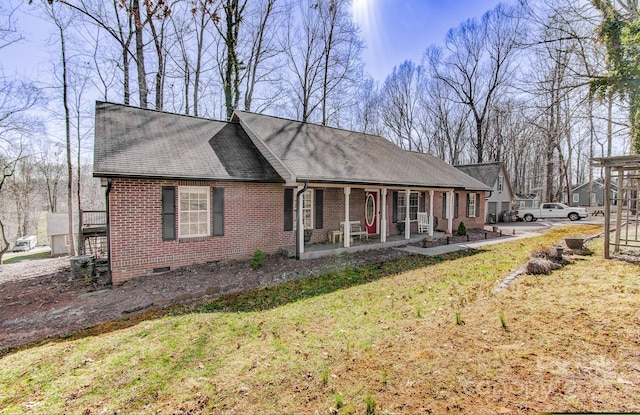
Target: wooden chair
x: 423, y: 222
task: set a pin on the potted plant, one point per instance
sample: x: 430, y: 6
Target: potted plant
x: 307, y: 235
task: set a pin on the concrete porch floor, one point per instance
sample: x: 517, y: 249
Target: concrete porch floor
x: 323, y: 249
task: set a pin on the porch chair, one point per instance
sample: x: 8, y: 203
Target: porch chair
x: 423, y: 222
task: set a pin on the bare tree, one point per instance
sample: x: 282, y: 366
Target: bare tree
x: 400, y: 105
x: 480, y: 62
x: 62, y: 23
x: 16, y: 99
x: 305, y: 51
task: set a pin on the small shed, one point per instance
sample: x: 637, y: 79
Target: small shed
x: 528, y: 201
x: 58, y: 232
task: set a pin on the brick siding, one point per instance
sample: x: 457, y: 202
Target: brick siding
x: 253, y: 219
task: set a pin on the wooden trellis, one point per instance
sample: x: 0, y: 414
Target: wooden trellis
x: 623, y: 209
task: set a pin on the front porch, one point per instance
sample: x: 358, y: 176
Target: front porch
x: 323, y: 249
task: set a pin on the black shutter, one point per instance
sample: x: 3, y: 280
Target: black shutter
x: 394, y: 212
x: 468, y: 199
x: 288, y: 209
x: 422, y: 203
x: 444, y: 206
x: 456, y: 205
x: 478, y: 205
x: 218, y: 211
x: 168, y: 213
x: 319, y: 194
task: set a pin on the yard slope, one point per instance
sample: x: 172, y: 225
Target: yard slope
x: 436, y: 339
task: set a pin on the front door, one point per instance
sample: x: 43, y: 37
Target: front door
x: 371, y: 212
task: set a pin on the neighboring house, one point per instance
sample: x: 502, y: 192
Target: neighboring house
x: 531, y: 201
x: 494, y: 175
x: 580, y: 194
x: 182, y: 189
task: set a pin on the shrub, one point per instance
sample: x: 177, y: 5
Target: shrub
x: 462, y: 229
x: 258, y: 259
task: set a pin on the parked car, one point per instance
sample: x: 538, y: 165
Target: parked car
x: 551, y: 211
x: 25, y: 244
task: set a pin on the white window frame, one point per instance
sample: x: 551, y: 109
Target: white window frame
x: 471, y: 201
x: 184, y: 231
x: 307, y: 209
x: 576, y: 198
x: 413, y: 207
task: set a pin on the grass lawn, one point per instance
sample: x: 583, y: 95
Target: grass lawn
x: 432, y: 339
x: 26, y: 257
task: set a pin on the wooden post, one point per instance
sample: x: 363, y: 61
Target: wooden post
x: 347, y: 228
x: 383, y: 219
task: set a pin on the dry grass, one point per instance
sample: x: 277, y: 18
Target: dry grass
x: 572, y: 344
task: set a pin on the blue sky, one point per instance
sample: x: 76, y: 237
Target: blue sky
x: 395, y: 30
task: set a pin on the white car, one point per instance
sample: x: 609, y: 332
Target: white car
x: 551, y: 211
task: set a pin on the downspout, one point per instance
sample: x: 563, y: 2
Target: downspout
x: 108, y: 230
x: 299, y: 219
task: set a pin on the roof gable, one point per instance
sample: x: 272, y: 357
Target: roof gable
x: 136, y: 142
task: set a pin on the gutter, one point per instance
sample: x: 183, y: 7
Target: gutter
x: 299, y: 219
x: 108, y: 230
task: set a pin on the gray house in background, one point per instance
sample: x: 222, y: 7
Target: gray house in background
x: 501, y: 196
x: 580, y: 194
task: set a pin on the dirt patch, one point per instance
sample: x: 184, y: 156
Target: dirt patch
x: 473, y: 235
x: 40, y: 300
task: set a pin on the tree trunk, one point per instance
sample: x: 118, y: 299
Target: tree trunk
x: 142, y: 75
x: 67, y: 127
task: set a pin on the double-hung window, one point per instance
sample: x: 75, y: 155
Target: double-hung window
x: 307, y: 209
x: 402, y: 206
x: 194, y: 211
x: 471, y: 203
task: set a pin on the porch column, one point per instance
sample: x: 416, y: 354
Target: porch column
x: 300, y: 223
x: 347, y: 228
x: 407, y: 219
x: 430, y: 212
x: 383, y: 218
x: 451, y: 208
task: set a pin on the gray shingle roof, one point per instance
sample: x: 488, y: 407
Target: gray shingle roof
x: 136, y: 142
x: 487, y: 173
x: 324, y: 154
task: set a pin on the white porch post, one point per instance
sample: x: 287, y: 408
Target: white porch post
x: 383, y: 219
x: 430, y: 212
x: 347, y: 228
x: 300, y: 223
x: 451, y: 208
x: 407, y: 219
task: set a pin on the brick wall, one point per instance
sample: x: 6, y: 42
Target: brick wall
x: 253, y: 219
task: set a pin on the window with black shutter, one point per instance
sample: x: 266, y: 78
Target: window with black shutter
x: 394, y: 211
x: 319, y: 202
x: 456, y: 204
x: 168, y: 213
x: 288, y: 209
x: 218, y: 211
